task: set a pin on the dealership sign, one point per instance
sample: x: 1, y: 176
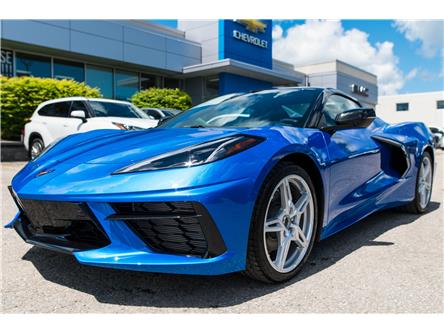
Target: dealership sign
x: 360, y: 90
x: 7, y: 63
x: 255, y: 26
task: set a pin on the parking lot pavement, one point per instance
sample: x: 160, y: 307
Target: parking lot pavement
x: 389, y: 262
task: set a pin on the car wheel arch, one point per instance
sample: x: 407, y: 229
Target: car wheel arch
x: 430, y: 150
x: 425, y: 148
x: 33, y: 136
x: 307, y: 163
x: 310, y: 166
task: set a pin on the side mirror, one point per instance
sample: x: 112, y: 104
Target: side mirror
x: 79, y: 114
x: 355, y: 118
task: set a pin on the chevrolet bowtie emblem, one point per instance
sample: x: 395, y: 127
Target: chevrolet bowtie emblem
x: 44, y: 172
x: 253, y: 25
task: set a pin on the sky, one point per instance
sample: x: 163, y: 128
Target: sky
x: 407, y: 56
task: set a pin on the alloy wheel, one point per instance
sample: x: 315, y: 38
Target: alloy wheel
x: 36, y: 149
x: 289, y: 223
x: 425, y: 182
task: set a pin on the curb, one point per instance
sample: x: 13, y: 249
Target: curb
x: 13, y: 151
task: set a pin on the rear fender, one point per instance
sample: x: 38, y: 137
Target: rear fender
x: 414, y: 136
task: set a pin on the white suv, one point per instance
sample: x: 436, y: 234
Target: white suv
x: 60, y: 117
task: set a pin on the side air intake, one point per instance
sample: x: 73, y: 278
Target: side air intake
x: 395, y: 159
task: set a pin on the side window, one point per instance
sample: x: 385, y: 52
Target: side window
x: 60, y: 109
x: 79, y: 106
x: 154, y: 114
x: 334, y: 105
x: 47, y: 111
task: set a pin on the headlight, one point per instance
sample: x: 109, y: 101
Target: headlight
x: 196, y: 155
x: 126, y: 127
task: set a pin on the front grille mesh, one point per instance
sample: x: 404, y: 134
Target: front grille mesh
x: 182, y: 236
x: 68, y: 224
x: 166, y: 227
x: 155, y: 208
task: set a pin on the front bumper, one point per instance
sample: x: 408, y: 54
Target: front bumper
x: 229, y: 204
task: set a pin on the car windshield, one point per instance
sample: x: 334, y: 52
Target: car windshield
x: 288, y: 107
x: 219, y: 99
x: 112, y: 109
x: 171, y: 113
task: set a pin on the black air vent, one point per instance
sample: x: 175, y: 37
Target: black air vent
x: 172, y: 227
x: 65, y: 224
x: 395, y: 160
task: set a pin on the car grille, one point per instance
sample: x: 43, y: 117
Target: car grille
x: 66, y: 224
x: 172, y: 227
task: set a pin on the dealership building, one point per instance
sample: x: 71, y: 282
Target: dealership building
x: 205, y: 58
x: 426, y: 107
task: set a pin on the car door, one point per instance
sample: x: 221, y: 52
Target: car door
x: 73, y: 125
x: 354, y: 159
x: 53, y: 116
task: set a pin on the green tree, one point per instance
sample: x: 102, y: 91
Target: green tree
x: 20, y: 96
x: 162, y: 98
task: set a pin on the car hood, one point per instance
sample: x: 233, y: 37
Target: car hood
x: 127, y: 147
x: 138, y: 122
x: 85, y: 163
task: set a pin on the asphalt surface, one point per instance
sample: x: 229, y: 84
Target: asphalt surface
x: 389, y: 262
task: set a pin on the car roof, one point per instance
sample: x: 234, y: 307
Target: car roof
x: 161, y: 109
x: 324, y: 89
x: 80, y: 98
x: 295, y: 88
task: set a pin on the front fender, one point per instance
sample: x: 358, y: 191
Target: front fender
x: 312, y: 146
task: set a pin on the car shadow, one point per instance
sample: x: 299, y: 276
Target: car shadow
x: 162, y: 290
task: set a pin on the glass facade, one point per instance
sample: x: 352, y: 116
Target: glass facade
x: 148, y: 81
x: 212, y: 87
x: 171, y: 83
x: 127, y: 84
x: 112, y: 82
x: 69, y: 70
x: 102, y: 78
x: 31, y: 65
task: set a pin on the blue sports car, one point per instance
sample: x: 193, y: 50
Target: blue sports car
x: 246, y: 182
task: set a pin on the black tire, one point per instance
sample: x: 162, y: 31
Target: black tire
x: 35, y: 141
x: 258, y: 267
x: 414, y: 206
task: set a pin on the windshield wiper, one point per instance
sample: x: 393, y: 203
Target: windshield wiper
x: 197, y: 126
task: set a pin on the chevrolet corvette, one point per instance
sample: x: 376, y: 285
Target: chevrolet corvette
x: 247, y: 183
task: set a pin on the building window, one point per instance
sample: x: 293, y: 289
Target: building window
x: 101, y: 78
x: 30, y: 65
x: 402, y: 106
x: 127, y: 84
x: 148, y: 81
x: 440, y: 104
x: 212, y: 87
x: 69, y: 70
x: 171, y: 83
